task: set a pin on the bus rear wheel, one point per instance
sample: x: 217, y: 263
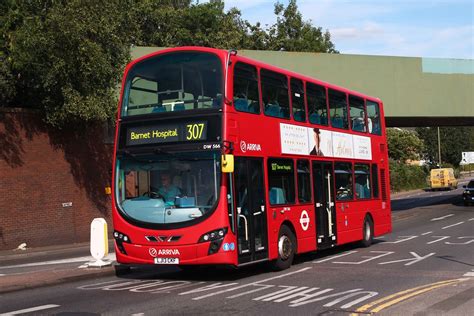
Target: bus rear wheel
x: 286, y: 249
x: 367, y: 232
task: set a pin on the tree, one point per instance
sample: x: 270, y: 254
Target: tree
x: 68, y: 57
x: 454, y: 140
x: 403, y: 145
x: 166, y: 24
x: 7, y: 25
x: 291, y: 33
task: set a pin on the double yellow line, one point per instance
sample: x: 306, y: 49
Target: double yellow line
x: 380, y: 304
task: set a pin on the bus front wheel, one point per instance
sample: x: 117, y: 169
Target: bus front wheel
x: 286, y: 249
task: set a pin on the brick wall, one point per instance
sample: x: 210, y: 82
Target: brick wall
x: 42, y: 168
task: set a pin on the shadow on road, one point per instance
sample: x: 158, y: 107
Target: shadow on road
x: 450, y: 258
x: 414, y: 202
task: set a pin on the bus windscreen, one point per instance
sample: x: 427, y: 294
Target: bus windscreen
x: 168, y: 188
x: 173, y: 82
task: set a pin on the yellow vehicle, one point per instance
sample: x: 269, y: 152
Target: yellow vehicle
x: 443, y: 178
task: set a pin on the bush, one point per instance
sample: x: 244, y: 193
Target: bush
x: 405, y: 177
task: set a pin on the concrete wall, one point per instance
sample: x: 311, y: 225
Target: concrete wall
x: 40, y: 169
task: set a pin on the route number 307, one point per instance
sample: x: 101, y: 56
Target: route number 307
x: 194, y: 131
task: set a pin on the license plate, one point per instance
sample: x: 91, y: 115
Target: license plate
x: 166, y: 260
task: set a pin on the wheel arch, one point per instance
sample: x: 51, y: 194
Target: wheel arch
x: 368, y: 215
x: 289, y: 224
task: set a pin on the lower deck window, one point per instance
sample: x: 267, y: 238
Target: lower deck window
x: 362, y: 181
x: 281, y: 181
x: 343, y: 174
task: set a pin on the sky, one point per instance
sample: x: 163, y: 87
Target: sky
x: 413, y: 28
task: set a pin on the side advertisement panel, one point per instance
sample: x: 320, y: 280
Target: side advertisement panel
x: 300, y: 140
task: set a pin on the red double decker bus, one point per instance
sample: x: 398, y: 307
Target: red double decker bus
x: 221, y: 159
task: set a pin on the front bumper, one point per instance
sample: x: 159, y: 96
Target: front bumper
x: 187, y: 254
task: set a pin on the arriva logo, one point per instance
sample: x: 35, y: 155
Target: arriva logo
x: 244, y: 147
x: 168, y: 252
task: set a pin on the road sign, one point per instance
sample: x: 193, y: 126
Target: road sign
x: 467, y: 157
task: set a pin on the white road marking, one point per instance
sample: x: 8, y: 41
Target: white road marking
x: 427, y: 233
x: 471, y: 219
x: 382, y: 254
x: 461, y: 243
x: 241, y: 286
x: 404, y: 238
x: 294, y: 295
x: 303, y: 295
x: 161, y: 286
x: 262, y: 287
x: 101, y: 285
x: 414, y: 260
x: 287, y: 289
x: 334, y: 257
x: 453, y: 225
x: 31, y: 309
x: 345, y: 295
x: 439, y: 239
x: 469, y: 274
x: 442, y: 217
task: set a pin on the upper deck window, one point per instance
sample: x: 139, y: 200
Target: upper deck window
x: 173, y: 82
x: 373, y: 118
x: 297, y: 100
x: 338, y: 109
x: 275, y: 94
x: 246, y: 97
x: 317, y: 108
x: 357, y: 111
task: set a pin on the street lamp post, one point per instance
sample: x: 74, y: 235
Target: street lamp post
x: 439, y: 149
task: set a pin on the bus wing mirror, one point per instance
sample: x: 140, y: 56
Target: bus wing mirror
x: 227, y: 163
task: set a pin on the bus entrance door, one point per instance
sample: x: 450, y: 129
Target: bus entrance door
x: 324, y: 204
x: 251, y: 213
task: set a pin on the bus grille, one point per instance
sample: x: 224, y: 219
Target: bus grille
x: 162, y: 238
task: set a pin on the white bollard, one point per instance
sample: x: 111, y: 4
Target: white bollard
x: 99, y: 243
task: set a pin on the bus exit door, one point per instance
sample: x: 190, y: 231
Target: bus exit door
x: 251, y: 213
x: 324, y: 204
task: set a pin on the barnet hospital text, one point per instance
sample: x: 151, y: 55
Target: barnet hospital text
x: 154, y: 134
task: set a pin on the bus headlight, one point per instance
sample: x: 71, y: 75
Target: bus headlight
x: 121, y: 238
x: 213, y: 235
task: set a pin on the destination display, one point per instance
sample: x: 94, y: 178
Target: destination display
x: 167, y: 133
x: 299, y: 140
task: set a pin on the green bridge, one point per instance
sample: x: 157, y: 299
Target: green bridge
x: 415, y: 91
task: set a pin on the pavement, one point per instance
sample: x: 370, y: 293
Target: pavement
x: 43, y: 266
